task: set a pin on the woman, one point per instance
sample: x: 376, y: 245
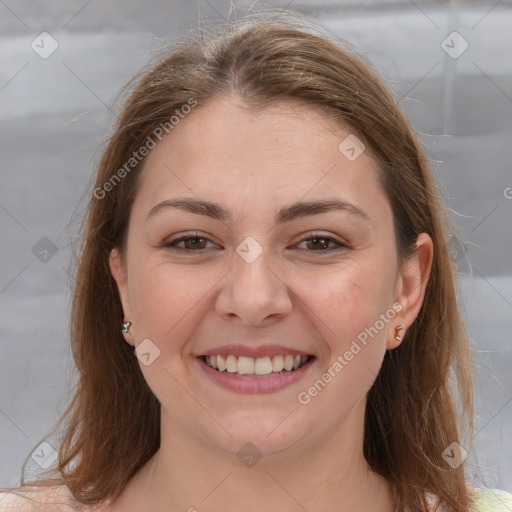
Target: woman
x: 264, y: 315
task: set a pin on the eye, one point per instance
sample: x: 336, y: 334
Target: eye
x: 318, y: 242
x: 315, y: 242
x: 191, y: 243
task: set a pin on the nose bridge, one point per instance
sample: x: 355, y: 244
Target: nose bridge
x: 254, y: 291
x: 255, y: 274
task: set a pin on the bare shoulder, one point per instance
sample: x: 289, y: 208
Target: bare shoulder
x: 38, y: 499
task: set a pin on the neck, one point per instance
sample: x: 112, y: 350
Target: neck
x: 323, y: 473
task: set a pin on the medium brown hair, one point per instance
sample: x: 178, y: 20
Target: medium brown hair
x: 112, y: 426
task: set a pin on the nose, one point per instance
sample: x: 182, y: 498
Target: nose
x: 254, y: 292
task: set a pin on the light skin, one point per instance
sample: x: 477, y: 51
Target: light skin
x: 296, y: 294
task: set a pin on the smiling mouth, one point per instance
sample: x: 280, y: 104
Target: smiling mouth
x: 261, y: 366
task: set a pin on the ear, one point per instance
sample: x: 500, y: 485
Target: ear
x: 411, y: 286
x: 118, y: 269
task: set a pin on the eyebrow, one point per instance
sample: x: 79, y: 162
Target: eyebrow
x: 286, y: 214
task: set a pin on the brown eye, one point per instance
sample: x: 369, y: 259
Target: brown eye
x: 320, y: 243
x: 194, y: 243
x: 190, y: 243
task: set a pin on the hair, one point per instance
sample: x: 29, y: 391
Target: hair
x: 111, y: 427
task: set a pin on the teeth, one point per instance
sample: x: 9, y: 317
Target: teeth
x: 288, y: 362
x: 277, y: 364
x: 261, y: 366
x: 231, y: 364
x: 245, y: 365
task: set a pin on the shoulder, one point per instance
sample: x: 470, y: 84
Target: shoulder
x: 491, y: 500
x: 38, y: 499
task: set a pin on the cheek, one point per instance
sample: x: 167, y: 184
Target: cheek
x: 167, y: 303
x: 355, y: 296
x: 353, y: 311
x: 167, y: 300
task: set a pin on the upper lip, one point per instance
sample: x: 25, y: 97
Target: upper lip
x: 255, y: 352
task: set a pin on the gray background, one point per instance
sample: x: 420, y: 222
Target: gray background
x: 55, y: 115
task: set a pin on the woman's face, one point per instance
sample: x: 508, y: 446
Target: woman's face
x: 271, y: 268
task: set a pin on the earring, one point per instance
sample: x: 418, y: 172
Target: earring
x: 125, y: 327
x: 397, y: 330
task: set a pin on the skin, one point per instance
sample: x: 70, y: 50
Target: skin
x: 295, y: 294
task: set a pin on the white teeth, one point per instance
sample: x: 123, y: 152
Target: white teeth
x: 277, y: 364
x: 231, y: 364
x: 260, y: 366
x: 245, y: 365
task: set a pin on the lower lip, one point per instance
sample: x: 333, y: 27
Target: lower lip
x: 255, y: 384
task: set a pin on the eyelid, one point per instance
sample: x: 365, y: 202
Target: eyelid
x: 340, y: 244
x: 319, y: 234
x: 186, y: 236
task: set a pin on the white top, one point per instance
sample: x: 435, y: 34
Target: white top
x: 59, y: 499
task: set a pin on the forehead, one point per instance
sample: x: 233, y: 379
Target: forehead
x: 225, y: 152
x: 226, y: 127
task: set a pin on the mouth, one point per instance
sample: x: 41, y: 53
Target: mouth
x: 254, y: 375
x: 242, y: 366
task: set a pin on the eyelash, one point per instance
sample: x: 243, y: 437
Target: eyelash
x: 310, y: 236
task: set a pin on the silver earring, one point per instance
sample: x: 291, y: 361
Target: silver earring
x: 125, y: 327
x: 397, y: 330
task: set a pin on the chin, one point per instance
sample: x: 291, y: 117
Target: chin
x: 265, y: 433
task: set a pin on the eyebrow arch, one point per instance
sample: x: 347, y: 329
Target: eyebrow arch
x: 286, y: 214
